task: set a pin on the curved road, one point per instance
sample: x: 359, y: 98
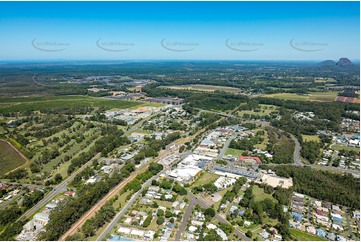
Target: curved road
x: 296, y: 152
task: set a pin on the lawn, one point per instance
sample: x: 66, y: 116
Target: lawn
x: 206, y: 177
x: 310, y: 138
x: 264, y: 111
x: 341, y: 147
x: 314, y: 96
x: 303, y: 236
x: 204, y: 88
x: 234, y: 152
x: 9, y: 158
x: 330, y: 80
x: 260, y: 195
x: 2, y: 130
x: 263, y: 145
x: 49, y: 103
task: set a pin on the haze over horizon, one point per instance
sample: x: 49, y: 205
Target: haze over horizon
x: 249, y: 31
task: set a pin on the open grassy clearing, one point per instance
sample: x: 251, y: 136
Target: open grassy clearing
x: 310, y: 138
x: 260, y: 195
x: 10, y: 159
x: 324, y: 80
x: 341, y: 147
x: 2, y: 130
x: 263, y: 111
x: 234, y: 152
x: 48, y: 103
x: 205, y: 178
x: 204, y: 88
x: 263, y: 145
x: 303, y: 236
x: 315, y: 96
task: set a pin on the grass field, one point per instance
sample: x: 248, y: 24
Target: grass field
x: 310, y: 138
x: 40, y: 103
x: 341, y: 147
x: 303, y: 236
x: 263, y: 145
x: 260, y: 195
x: 234, y: 152
x: 315, y: 96
x: 9, y: 158
x: 205, y: 178
x: 324, y: 80
x: 264, y: 111
x: 204, y: 88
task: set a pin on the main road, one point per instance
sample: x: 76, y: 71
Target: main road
x: 62, y: 187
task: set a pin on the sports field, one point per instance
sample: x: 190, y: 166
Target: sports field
x: 9, y: 158
x: 315, y: 96
x: 204, y: 88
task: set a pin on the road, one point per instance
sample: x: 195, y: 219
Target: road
x: 133, y: 199
x: 296, y: 152
x: 4, y: 204
x: 99, y: 204
x: 349, y: 225
x: 62, y: 187
x: 225, y: 146
x: 205, y: 204
x: 186, y: 216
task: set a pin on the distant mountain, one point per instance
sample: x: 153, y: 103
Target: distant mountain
x: 327, y: 63
x: 344, y: 62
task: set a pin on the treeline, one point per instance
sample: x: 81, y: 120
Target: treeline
x: 105, y: 214
x: 154, y: 146
x: 113, y: 138
x: 68, y: 212
x: 343, y: 189
x: 137, y: 183
x: 204, y: 100
x: 280, y: 145
x: 247, y: 143
x: 332, y: 111
x: 311, y: 150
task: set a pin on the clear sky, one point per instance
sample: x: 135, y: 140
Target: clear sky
x: 179, y: 30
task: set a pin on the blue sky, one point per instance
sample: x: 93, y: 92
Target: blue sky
x: 179, y: 30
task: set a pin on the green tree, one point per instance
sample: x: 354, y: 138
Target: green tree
x: 160, y: 220
x: 210, y: 213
